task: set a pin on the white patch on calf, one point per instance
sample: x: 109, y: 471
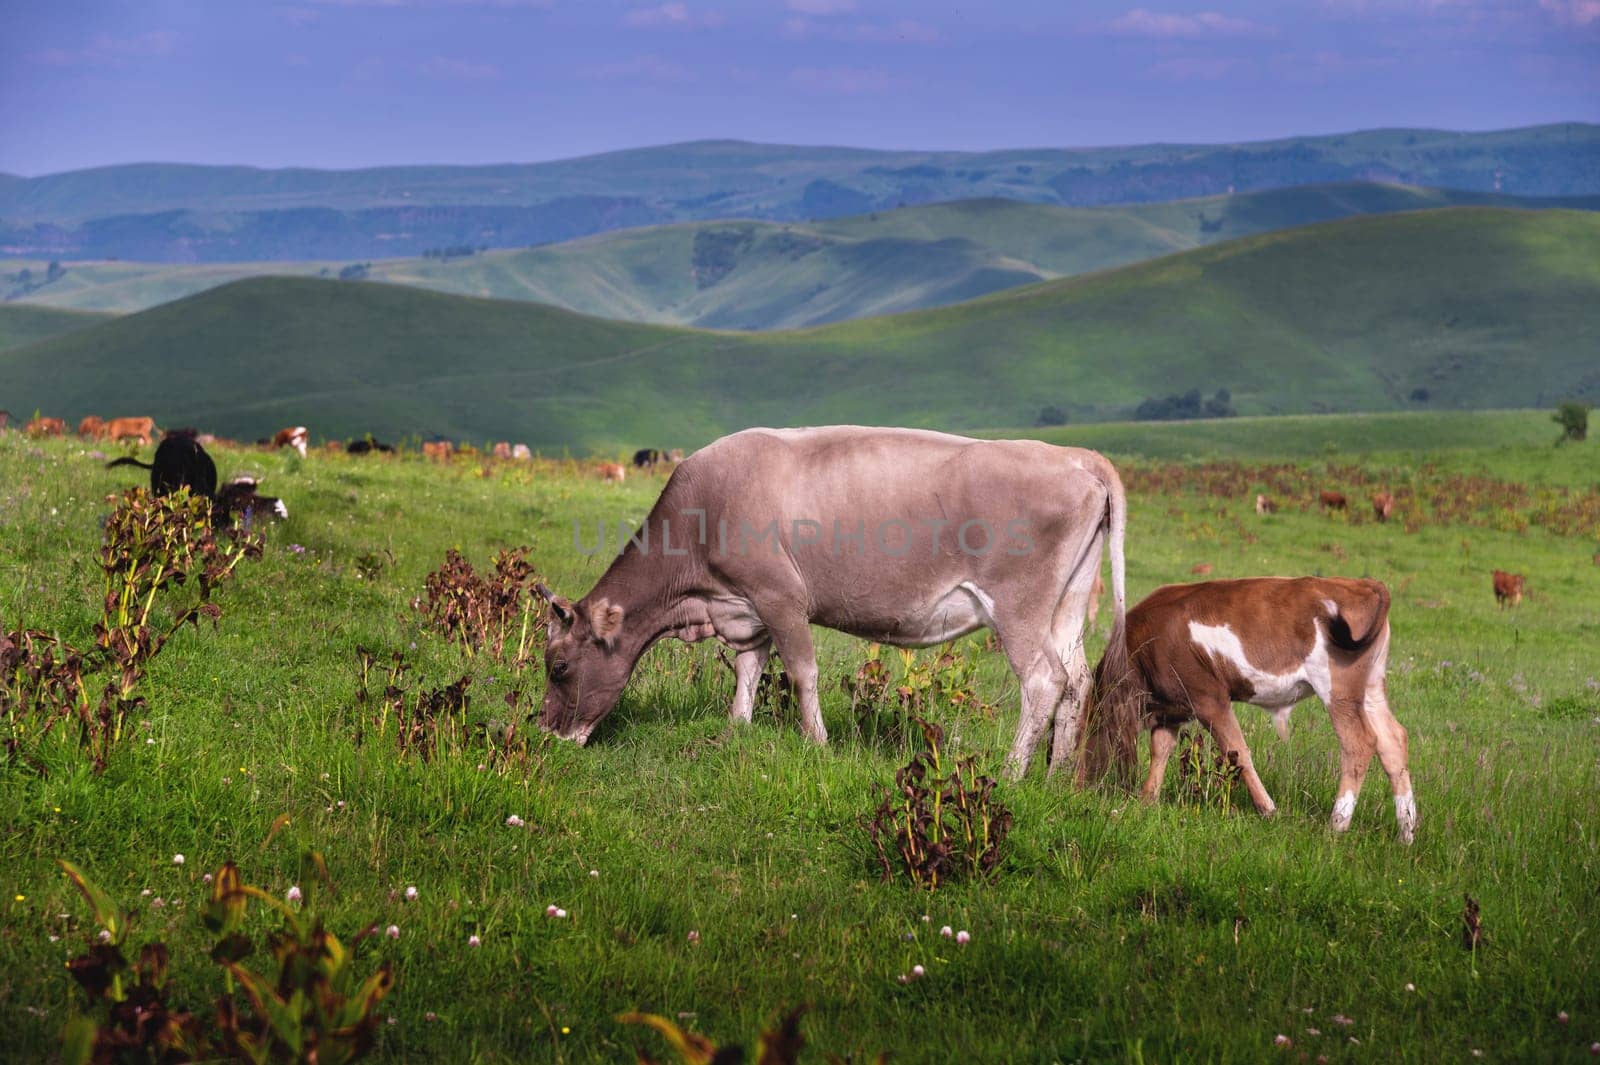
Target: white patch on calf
x: 1270, y: 690
x: 279, y: 509
x: 1343, y: 810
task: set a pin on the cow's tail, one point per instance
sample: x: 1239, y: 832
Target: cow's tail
x: 1110, y: 736
x: 129, y: 460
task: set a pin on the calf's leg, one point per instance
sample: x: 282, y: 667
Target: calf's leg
x: 1356, y: 745
x: 1163, y: 737
x: 1391, y: 739
x: 1218, y: 717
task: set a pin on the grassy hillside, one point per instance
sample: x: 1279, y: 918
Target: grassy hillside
x: 1482, y: 308
x: 718, y: 874
x: 720, y: 179
x: 22, y: 324
x: 762, y: 275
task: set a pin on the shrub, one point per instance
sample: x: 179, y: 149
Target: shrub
x: 307, y: 1004
x: 479, y: 612
x: 1052, y: 415
x: 153, y: 546
x: 1574, y: 421
x: 939, y: 822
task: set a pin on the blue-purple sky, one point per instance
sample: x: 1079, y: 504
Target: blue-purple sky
x: 347, y: 83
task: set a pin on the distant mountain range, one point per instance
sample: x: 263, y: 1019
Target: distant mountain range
x: 758, y: 275
x: 211, y: 214
x: 1458, y: 308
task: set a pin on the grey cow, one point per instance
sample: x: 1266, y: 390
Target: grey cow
x: 903, y: 536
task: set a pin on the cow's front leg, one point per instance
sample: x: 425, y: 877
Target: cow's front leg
x: 747, y: 669
x: 791, y: 638
x: 1230, y: 740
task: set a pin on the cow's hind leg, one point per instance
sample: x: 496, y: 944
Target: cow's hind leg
x: 747, y: 668
x: 1043, y: 680
x: 1392, y: 741
x: 1356, y: 745
x: 1163, y: 738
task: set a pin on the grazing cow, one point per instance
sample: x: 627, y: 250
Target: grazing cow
x: 294, y: 436
x: 675, y: 455
x: 901, y: 536
x: 646, y: 457
x: 1507, y: 588
x: 179, y: 462
x: 333, y: 447
x: 41, y: 426
x: 613, y: 471
x: 142, y: 429
x: 438, y: 449
x: 502, y: 449
x: 92, y: 428
x: 238, y: 501
x: 1196, y: 649
x: 366, y: 445
x: 1265, y: 505
x: 1383, y: 506
x: 1200, y: 569
x: 1333, y: 501
x: 521, y: 453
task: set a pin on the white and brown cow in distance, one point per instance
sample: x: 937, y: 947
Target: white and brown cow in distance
x: 294, y: 436
x: 755, y: 537
x: 1196, y: 649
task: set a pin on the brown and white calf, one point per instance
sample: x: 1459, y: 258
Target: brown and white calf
x: 1383, y: 506
x: 1196, y: 649
x: 294, y: 436
x: 1265, y: 505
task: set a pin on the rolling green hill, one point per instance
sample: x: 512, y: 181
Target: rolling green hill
x: 1480, y: 307
x: 765, y: 275
x: 23, y: 324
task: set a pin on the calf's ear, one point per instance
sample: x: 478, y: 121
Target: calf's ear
x: 605, y: 618
x: 560, y: 609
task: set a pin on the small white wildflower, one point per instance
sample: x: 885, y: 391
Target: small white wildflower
x: 560, y: 914
x: 694, y: 937
x: 393, y: 931
x: 594, y: 872
x: 917, y: 971
x: 411, y: 894
x: 430, y: 1016
x: 105, y: 936
x: 514, y: 821
x: 177, y: 859
x: 550, y: 910
x: 474, y: 941
x: 947, y: 931
x: 145, y: 893
x: 1411, y: 987
x: 293, y: 894
x: 903, y: 978
x: 157, y: 902
x: 1281, y: 1040
x: 1562, y: 1018
x: 963, y: 937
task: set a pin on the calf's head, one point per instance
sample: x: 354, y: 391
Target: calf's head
x: 585, y: 665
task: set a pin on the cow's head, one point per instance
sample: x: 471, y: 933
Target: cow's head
x: 584, y: 665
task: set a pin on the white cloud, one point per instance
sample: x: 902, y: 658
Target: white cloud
x: 106, y: 50
x: 651, y: 68
x: 1573, y: 12
x: 669, y: 14
x: 459, y: 70
x: 842, y: 81
x: 904, y: 31
x: 1142, y: 22
x: 822, y: 7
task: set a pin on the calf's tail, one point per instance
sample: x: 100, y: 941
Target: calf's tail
x: 1114, y: 704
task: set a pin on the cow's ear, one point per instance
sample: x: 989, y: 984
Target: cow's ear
x: 605, y: 618
x: 560, y: 609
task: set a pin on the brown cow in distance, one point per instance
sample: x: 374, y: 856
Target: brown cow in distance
x: 142, y: 429
x: 1265, y: 505
x: 1201, y: 569
x: 43, y: 426
x: 294, y: 436
x: 1507, y: 588
x: 1195, y: 649
x: 613, y: 471
x: 1333, y: 501
x: 441, y: 450
x: 92, y: 428
x: 1383, y: 505
x: 502, y: 449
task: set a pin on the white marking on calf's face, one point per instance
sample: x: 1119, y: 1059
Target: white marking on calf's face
x: 1270, y: 690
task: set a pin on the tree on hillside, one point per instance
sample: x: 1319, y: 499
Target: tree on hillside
x: 1052, y: 415
x: 1574, y: 421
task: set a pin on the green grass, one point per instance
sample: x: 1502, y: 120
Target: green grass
x: 1112, y: 932
x: 1483, y: 308
x: 24, y: 324
x: 784, y: 275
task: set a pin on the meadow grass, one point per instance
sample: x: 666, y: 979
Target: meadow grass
x: 1114, y: 931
